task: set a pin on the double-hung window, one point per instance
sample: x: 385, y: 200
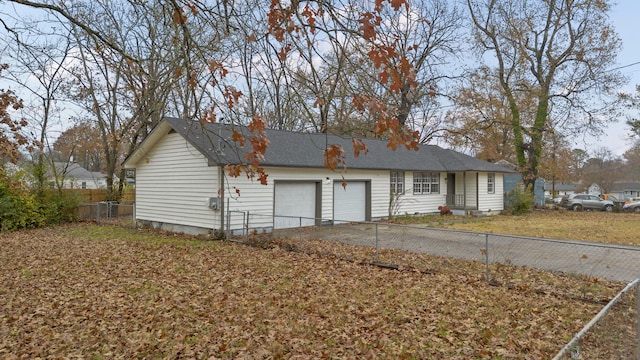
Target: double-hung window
x: 397, y: 182
x: 426, y: 183
x: 491, y: 183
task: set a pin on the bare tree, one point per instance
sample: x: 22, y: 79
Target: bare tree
x: 632, y: 164
x: 558, y: 53
x: 204, y: 39
x: 40, y: 60
x: 125, y: 98
x: 603, y: 169
x: 426, y: 38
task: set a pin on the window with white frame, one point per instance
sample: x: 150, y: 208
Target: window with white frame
x: 491, y: 183
x: 397, y: 182
x: 426, y: 183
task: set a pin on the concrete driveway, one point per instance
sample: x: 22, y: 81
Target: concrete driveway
x: 613, y: 262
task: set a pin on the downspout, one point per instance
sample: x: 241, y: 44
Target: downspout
x: 221, y: 194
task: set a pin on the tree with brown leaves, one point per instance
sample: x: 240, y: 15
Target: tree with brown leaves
x: 12, y: 137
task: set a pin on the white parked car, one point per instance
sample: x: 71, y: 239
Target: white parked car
x: 634, y: 206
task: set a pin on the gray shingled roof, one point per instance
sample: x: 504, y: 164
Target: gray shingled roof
x: 626, y: 186
x: 74, y: 171
x: 293, y: 149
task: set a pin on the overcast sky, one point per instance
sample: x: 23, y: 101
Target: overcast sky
x: 625, y: 18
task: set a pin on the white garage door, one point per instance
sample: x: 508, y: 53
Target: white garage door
x: 349, y: 204
x: 294, y: 201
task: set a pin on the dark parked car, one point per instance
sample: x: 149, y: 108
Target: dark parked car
x: 586, y: 202
x: 634, y: 206
x: 616, y: 202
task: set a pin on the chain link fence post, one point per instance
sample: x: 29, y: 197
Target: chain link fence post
x: 245, y: 225
x: 377, y: 255
x: 486, y: 256
x: 300, y: 231
x: 228, y: 225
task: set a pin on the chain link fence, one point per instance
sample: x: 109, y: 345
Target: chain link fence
x: 613, y: 333
x: 107, y: 211
x: 389, y: 244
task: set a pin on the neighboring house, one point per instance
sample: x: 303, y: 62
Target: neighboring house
x: 594, y: 189
x: 74, y: 176
x: 626, y: 190
x: 514, y: 179
x: 11, y: 169
x: 181, y: 184
x: 561, y: 189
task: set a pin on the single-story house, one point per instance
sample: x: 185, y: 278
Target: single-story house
x: 626, y: 190
x: 560, y: 188
x: 73, y: 176
x: 182, y: 186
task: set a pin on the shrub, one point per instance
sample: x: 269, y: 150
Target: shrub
x: 21, y: 208
x: 18, y: 207
x: 444, y: 210
x: 59, y: 207
x: 520, y: 201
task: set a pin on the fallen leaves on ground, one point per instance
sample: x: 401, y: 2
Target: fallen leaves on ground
x: 91, y: 291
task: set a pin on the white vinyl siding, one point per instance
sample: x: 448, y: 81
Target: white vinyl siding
x: 491, y: 201
x: 471, y: 186
x: 174, y: 184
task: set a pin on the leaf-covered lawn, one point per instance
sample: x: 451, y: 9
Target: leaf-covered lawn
x: 595, y: 226
x: 85, y: 291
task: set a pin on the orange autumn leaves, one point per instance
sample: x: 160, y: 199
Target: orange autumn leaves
x: 259, y: 143
x: 12, y: 137
x: 298, y: 19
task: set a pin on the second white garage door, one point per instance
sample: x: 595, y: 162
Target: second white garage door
x: 294, y: 202
x: 349, y: 204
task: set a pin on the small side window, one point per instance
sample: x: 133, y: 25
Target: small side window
x: 491, y: 183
